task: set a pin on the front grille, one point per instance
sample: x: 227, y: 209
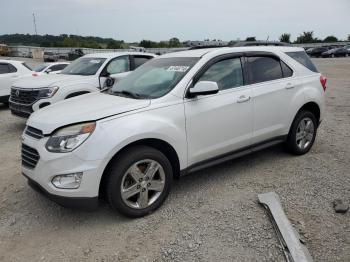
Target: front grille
x: 33, y: 132
x: 30, y: 157
x: 23, y: 96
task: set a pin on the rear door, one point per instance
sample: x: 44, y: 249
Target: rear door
x: 220, y: 123
x: 273, y: 85
x: 8, y: 74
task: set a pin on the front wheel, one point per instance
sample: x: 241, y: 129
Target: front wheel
x: 302, y: 133
x: 139, y: 181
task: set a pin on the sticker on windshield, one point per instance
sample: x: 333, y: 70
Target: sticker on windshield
x: 178, y: 68
x: 95, y: 61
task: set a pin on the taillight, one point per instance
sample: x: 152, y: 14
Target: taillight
x: 34, y: 74
x: 323, y: 81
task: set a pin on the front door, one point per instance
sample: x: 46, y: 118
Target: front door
x: 220, y: 123
x: 117, y: 68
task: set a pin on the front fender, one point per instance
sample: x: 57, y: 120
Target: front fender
x: 76, y: 88
x: 113, y: 134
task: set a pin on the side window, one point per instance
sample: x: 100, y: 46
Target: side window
x: 287, y: 71
x: 226, y: 73
x: 118, y: 65
x: 140, y: 60
x: 12, y: 69
x: 4, y: 69
x: 57, y: 67
x: 264, y: 68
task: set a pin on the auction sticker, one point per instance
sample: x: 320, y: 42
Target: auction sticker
x: 178, y: 68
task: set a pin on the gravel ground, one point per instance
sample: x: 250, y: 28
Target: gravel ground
x: 209, y: 215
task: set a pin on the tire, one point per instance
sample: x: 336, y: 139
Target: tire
x: 119, y: 176
x: 296, y: 136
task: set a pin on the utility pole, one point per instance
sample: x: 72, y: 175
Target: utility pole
x: 34, y: 23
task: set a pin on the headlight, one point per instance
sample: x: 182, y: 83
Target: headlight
x: 47, y: 92
x: 69, y: 138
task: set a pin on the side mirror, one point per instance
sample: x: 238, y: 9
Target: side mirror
x: 109, y: 82
x: 203, y: 88
x: 48, y: 71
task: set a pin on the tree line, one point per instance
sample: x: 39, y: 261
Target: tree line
x: 304, y: 38
x: 308, y: 37
x: 65, y: 40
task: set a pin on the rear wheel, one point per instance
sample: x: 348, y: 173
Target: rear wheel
x: 302, y: 133
x: 139, y: 181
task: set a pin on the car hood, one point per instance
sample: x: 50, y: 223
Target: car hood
x: 50, y: 80
x: 88, y: 107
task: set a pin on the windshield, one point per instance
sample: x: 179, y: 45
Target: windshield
x: 154, y: 78
x: 84, y: 66
x: 40, y: 67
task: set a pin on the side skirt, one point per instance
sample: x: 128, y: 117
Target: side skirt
x: 232, y: 155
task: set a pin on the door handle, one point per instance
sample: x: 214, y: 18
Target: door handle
x: 289, y: 86
x: 243, y: 99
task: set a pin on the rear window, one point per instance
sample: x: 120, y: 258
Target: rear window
x: 264, y: 69
x: 303, y: 59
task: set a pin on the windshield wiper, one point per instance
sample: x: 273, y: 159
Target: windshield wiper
x: 127, y: 93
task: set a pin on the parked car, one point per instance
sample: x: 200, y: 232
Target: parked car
x: 75, y: 54
x: 347, y: 47
x: 178, y: 113
x: 336, y: 52
x: 317, y: 51
x: 87, y: 74
x: 49, y: 68
x: 50, y: 56
x: 10, y: 71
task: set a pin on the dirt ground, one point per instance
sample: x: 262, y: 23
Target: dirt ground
x: 209, y: 215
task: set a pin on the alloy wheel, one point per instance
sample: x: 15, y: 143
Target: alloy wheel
x: 305, y: 133
x: 142, y: 184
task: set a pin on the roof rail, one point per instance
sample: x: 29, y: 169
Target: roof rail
x: 206, y: 46
x: 260, y: 43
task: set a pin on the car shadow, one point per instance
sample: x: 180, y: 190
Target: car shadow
x: 4, y: 107
x: 188, y: 183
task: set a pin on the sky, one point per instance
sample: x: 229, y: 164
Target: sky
x: 134, y: 20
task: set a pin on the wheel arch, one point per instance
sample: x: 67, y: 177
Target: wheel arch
x: 159, y: 144
x: 311, y: 106
x: 314, y: 108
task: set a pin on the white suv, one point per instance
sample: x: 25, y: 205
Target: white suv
x: 176, y: 113
x: 87, y: 74
x: 10, y: 72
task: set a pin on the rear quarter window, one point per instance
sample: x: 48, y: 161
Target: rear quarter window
x: 303, y: 59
